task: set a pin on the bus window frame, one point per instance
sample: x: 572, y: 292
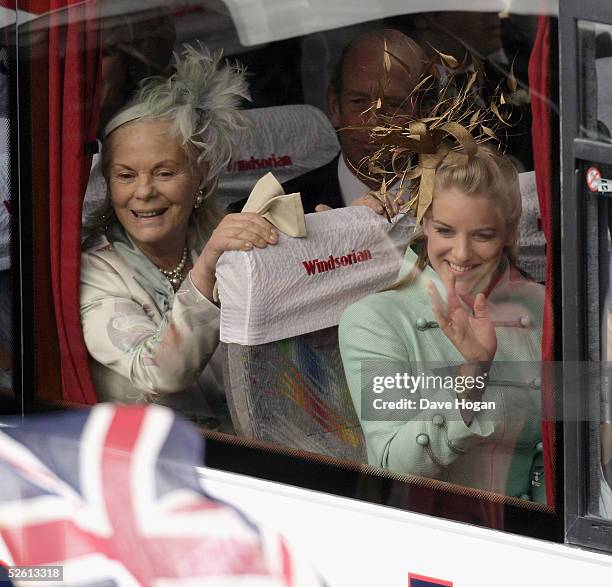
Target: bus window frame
x: 582, y: 529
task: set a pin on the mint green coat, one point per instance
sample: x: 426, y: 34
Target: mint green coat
x: 395, y: 332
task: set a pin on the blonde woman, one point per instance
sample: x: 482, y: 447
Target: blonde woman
x: 462, y: 311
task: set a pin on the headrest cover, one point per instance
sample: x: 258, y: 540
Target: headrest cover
x: 287, y: 140
x: 303, y: 285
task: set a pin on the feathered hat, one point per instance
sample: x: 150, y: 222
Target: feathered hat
x: 449, y: 131
x: 201, y: 99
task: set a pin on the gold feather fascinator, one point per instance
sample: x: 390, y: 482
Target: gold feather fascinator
x: 454, y: 119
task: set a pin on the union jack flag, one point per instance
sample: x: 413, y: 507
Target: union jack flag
x: 113, y: 496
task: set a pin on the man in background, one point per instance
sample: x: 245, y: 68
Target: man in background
x: 384, y: 64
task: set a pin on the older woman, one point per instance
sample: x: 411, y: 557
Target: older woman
x: 149, y: 320
x: 466, y: 365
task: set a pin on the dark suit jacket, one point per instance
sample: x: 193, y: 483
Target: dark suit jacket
x: 319, y: 186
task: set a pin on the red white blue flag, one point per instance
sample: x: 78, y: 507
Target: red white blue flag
x: 422, y: 581
x: 113, y: 496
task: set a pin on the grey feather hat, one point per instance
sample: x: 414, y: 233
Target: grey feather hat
x: 201, y: 99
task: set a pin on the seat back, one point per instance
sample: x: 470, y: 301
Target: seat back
x: 286, y: 140
x: 531, y: 241
x: 283, y: 372
x: 293, y: 392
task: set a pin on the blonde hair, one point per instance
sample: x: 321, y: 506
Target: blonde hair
x: 487, y: 173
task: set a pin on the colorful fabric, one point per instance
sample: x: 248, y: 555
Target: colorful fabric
x: 293, y: 392
x: 113, y: 496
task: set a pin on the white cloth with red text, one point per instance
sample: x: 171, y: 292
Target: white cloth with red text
x: 302, y: 285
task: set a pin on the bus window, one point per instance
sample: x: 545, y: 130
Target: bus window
x: 595, y: 43
x: 585, y: 205
x: 269, y: 406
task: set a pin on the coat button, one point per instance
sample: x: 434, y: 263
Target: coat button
x: 422, y: 439
x: 525, y: 321
x: 539, y: 446
x: 422, y: 323
x: 525, y: 496
x: 438, y: 420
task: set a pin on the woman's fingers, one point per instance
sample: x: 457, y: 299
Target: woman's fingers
x: 246, y: 219
x: 369, y: 201
x: 453, y: 299
x: 237, y: 232
x: 234, y: 243
x: 392, y: 205
x: 255, y: 228
x: 322, y: 208
x: 481, y: 312
x: 226, y: 240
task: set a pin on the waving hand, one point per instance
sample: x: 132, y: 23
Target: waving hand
x: 472, y: 335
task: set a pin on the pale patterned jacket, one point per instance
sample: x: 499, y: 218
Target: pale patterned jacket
x: 145, y: 341
x: 396, y: 331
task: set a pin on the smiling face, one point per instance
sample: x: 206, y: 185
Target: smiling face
x: 152, y: 186
x: 466, y: 236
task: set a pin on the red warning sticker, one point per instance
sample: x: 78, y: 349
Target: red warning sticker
x: 593, y: 177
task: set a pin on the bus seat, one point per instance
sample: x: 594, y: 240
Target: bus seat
x: 531, y: 241
x: 286, y: 140
x: 280, y: 307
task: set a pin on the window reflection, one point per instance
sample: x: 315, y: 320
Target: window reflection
x: 605, y: 428
x: 6, y: 290
x: 294, y: 393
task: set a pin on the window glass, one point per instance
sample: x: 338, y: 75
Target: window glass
x: 285, y: 379
x: 601, y: 414
x: 595, y: 58
x: 595, y: 46
x: 7, y: 403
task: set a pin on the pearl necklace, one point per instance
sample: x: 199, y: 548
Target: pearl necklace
x: 175, y: 276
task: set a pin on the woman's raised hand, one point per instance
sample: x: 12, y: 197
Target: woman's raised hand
x: 472, y: 335
x: 236, y: 232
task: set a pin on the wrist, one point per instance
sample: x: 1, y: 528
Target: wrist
x: 207, y: 261
x: 478, y: 358
x: 474, y: 368
x: 203, y: 279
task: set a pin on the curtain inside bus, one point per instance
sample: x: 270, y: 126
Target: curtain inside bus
x: 74, y: 72
x: 539, y: 82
